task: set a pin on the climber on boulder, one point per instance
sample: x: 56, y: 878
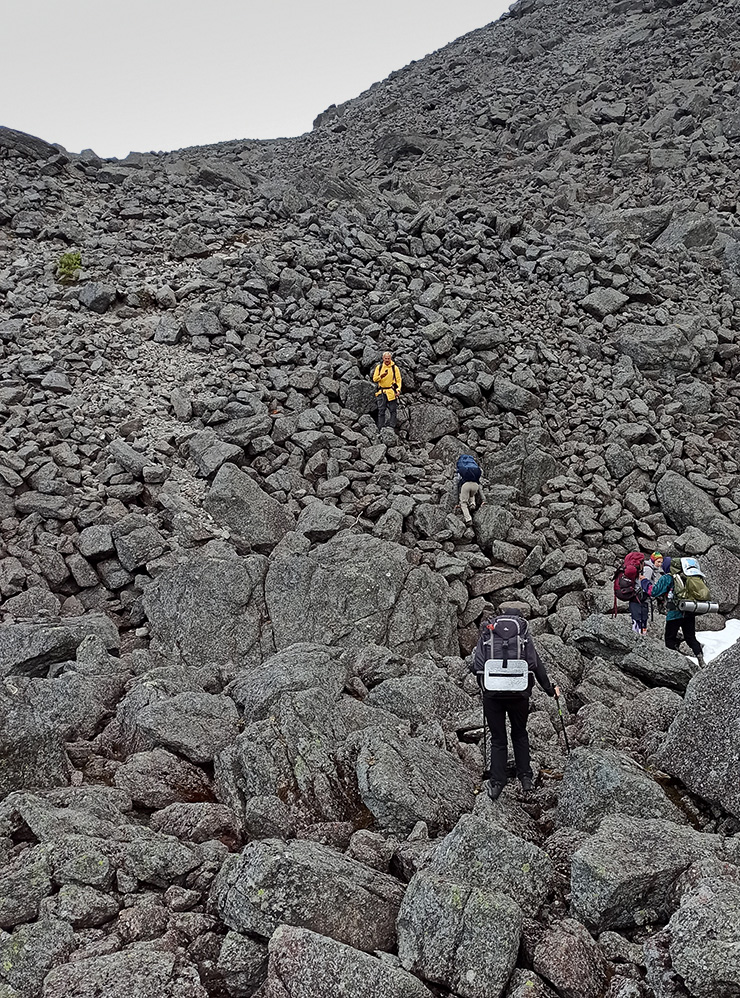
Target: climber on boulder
x: 670, y: 584
x: 506, y: 664
x: 388, y: 379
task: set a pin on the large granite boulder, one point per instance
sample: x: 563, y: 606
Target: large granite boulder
x: 702, y: 939
x: 132, y: 973
x: 210, y: 609
x: 31, y: 747
x: 304, y: 964
x: 302, y: 666
x: 702, y: 747
x: 310, y: 885
x: 30, y: 649
x: 404, y: 780
x: 479, y: 876
x: 685, y: 505
x: 356, y: 589
x: 680, y: 346
x: 236, y: 501
x: 596, y: 783
x: 624, y: 874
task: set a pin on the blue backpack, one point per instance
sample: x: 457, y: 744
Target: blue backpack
x: 468, y: 469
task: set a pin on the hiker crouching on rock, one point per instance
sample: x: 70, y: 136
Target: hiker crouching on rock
x: 506, y: 665
x: 388, y: 379
x: 469, y: 491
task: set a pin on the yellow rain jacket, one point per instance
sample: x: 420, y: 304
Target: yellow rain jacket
x: 388, y: 380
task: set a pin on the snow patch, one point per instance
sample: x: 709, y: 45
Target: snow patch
x: 715, y: 642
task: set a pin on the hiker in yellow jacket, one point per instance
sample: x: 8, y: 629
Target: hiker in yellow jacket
x: 388, y: 379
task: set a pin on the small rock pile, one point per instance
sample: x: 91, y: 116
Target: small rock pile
x: 241, y: 749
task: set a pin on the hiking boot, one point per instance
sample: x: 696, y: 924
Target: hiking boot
x: 700, y: 660
x: 527, y: 783
x: 495, y: 789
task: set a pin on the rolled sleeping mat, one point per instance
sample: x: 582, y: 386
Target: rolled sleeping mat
x: 695, y: 606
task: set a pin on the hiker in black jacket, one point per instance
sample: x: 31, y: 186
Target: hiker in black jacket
x: 497, y: 705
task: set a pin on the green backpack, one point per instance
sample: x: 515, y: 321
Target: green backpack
x: 688, y: 581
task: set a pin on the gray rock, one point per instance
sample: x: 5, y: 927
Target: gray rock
x: 210, y: 452
x: 659, y: 666
x: 722, y: 574
x: 603, y: 302
x: 403, y: 781
x: 633, y: 224
x: 157, y: 778
x: 512, y: 397
x: 309, y: 885
x: 570, y: 959
x: 236, y: 501
x: 430, y: 422
x: 30, y: 649
x: 444, y: 935
x: 300, y: 667
x: 432, y: 695
x: 197, y: 724
x: 703, y: 939
x: 133, y: 973
x: 361, y: 397
x: 97, y: 297
x: 32, y: 951
x: 27, y: 145
x: 623, y: 875
x: 31, y: 748
x: 96, y: 541
x: 685, y: 504
x: 24, y: 882
x: 242, y: 964
x: 357, y: 589
x: 199, y: 822
x: 658, y: 348
x: 597, y: 783
x: 701, y: 747
x: 202, y: 323
x: 209, y: 610
x: 306, y: 965
x: 319, y: 521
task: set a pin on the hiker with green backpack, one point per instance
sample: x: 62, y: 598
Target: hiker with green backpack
x: 687, y: 595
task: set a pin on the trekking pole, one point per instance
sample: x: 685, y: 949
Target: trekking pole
x: 486, y: 770
x: 562, y: 721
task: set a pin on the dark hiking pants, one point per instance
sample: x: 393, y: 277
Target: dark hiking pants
x: 687, y: 624
x: 496, y: 710
x: 392, y: 409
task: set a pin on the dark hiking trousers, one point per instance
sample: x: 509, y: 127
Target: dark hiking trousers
x: 495, y: 710
x: 687, y: 624
x: 392, y: 408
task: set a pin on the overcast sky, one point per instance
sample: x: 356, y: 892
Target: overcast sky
x: 122, y: 75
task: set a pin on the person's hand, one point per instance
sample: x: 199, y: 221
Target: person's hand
x: 557, y: 691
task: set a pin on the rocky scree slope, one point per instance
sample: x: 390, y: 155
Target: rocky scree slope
x: 240, y: 751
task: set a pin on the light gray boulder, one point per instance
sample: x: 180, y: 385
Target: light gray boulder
x: 210, y: 609
x: 132, y: 973
x: 600, y: 782
x: 31, y: 747
x: 623, y: 875
x: 310, y: 885
x: 702, y: 939
x: 402, y: 781
x: 32, y: 951
x: 30, y: 649
x: 463, y: 937
x: 301, y: 666
x: 304, y: 964
x: 356, y: 589
x: 684, y: 504
x: 236, y: 501
x: 702, y: 747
